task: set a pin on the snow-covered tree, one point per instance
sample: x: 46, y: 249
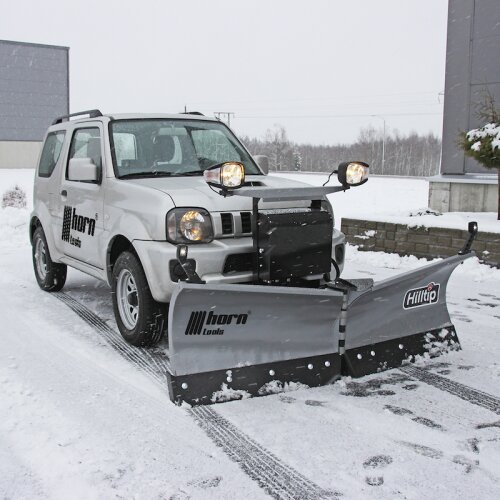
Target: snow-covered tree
x: 483, y: 143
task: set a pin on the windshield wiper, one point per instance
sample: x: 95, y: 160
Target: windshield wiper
x: 146, y: 174
x: 161, y: 174
x: 190, y: 172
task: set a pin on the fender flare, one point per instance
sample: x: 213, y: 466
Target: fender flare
x: 42, y: 218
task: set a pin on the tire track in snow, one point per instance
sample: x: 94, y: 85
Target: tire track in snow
x: 153, y: 365
x: 277, y: 479
x: 462, y: 391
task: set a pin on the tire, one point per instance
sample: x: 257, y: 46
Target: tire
x: 49, y: 275
x: 140, y: 319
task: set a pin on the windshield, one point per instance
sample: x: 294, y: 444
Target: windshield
x: 157, y: 147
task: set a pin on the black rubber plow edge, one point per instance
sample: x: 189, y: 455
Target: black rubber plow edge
x: 199, y: 388
x: 373, y: 358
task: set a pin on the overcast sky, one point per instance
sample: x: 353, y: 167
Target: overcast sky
x: 320, y: 68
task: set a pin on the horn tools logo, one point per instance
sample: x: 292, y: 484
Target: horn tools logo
x: 76, y: 222
x: 423, y: 296
x: 199, y: 320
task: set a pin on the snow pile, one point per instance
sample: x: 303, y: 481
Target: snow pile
x: 227, y: 394
x: 424, y: 211
x: 478, y: 272
x: 276, y: 386
x: 14, y: 197
x: 367, y: 234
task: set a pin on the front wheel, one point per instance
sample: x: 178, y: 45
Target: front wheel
x: 140, y: 319
x: 50, y: 276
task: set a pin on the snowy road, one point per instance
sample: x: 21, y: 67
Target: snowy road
x: 82, y: 417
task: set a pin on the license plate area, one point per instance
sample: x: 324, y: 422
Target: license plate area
x: 293, y: 244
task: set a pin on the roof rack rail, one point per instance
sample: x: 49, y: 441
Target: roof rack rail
x: 192, y: 113
x: 93, y: 113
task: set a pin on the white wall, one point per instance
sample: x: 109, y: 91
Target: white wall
x: 19, y: 154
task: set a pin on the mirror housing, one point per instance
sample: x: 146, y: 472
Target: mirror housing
x: 262, y: 162
x: 83, y: 170
x: 352, y: 173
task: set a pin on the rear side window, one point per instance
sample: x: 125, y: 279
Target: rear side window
x: 50, y: 153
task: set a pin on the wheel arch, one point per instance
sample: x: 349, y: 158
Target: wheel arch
x: 34, y: 223
x: 117, y: 246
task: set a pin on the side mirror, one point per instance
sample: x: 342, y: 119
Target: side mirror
x: 352, y: 173
x: 83, y: 170
x: 263, y: 163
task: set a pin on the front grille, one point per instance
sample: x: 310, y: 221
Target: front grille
x: 238, y: 262
x: 227, y: 223
x: 246, y: 222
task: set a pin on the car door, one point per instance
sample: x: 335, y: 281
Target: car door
x: 81, y: 203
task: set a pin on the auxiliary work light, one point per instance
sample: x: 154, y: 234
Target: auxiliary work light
x: 228, y: 175
x: 352, y: 173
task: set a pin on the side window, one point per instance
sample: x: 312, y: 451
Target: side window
x: 50, y: 153
x: 86, y: 143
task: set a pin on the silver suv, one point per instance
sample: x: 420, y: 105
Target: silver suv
x: 115, y: 195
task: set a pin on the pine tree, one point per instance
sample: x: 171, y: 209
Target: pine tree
x: 483, y: 143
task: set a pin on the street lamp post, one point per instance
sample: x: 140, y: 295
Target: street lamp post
x: 383, y: 143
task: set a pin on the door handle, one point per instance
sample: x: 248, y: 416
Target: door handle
x: 64, y: 193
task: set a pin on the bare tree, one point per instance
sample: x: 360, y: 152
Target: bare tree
x: 411, y: 155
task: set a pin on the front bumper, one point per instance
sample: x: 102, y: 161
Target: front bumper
x: 156, y: 256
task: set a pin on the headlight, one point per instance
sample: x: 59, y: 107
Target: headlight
x: 226, y: 175
x: 189, y: 225
x: 352, y: 173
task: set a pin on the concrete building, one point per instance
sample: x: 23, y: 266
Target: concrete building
x: 34, y: 89
x: 472, y: 66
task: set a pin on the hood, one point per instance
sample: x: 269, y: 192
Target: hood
x: 195, y: 192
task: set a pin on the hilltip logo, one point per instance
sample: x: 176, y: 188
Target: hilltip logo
x: 71, y: 220
x: 200, y: 319
x: 423, y: 296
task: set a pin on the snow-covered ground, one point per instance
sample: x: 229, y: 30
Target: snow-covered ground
x: 78, y: 420
x: 396, y: 199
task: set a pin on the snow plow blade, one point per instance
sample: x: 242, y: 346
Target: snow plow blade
x: 251, y: 338
x: 399, y: 318
x: 233, y: 341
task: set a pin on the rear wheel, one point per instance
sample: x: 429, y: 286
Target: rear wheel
x: 140, y: 319
x: 49, y: 275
